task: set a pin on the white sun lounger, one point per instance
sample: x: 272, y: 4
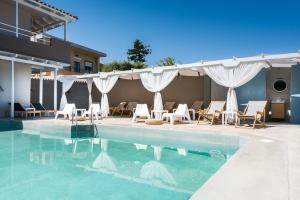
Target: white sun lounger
x: 95, y: 108
x: 141, y: 110
x: 67, y: 111
x: 181, y: 113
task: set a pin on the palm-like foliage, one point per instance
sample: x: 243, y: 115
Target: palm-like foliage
x: 168, y: 61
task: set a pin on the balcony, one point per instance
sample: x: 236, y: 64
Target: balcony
x: 39, y: 45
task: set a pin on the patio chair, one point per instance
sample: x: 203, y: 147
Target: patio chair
x: 118, y: 109
x: 195, y: 107
x: 129, y: 108
x: 94, y: 109
x: 169, y: 105
x: 141, y: 111
x: 213, y: 112
x: 24, y: 112
x: 40, y: 107
x: 181, y: 113
x: 67, y: 111
x: 255, y: 110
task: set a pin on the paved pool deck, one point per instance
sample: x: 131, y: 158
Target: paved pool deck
x: 267, y: 167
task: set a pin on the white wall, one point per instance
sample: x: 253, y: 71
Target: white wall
x: 5, y: 84
x: 22, y: 85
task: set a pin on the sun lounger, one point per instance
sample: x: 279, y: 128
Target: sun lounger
x: 40, y: 107
x: 67, y: 111
x: 181, y: 113
x: 25, y: 112
x: 195, y: 107
x: 213, y: 112
x: 118, y: 109
x: 94, y: 109
x: 255, y: 111
x: 129, y: 108
x: 141, y: 111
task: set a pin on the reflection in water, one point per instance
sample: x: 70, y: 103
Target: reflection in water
x: 157, y: 152
x: 140, y: 146
x: 156, y: 171
x: 217, y: 154
x: 104, y: 161
x: 41, y: 158
x: 182, y: 151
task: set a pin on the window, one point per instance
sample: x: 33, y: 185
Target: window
x: 76, y: 66
x: 279, y: 85
x: 88, y: 66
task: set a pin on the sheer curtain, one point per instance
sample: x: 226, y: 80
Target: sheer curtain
x: 156, y: 82
x: 67, y: 83
x: 89, y: 83
x: 233, y: 77
x: 104, y: 85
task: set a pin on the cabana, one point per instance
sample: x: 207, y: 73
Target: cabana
x: 230, y: 73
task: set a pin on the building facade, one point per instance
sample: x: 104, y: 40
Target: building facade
x: 26, y: 49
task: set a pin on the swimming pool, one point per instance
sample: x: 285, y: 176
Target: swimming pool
x: 43, y: 161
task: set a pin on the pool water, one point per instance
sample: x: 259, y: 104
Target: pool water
x: 39, y: 167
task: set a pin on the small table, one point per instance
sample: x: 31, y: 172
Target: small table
x: 158, y: 112
x: 226, y: 115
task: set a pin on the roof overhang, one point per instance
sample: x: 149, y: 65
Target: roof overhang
x: 46, y: 16
x: 35, y: 62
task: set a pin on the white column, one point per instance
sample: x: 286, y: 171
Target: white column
x: 17, y: 18
x: 41, y: 88
x: 55, y: 89
x: 65, y: 30
x: 12, y: 98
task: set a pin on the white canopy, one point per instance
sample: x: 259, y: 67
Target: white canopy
x: 230, y: 73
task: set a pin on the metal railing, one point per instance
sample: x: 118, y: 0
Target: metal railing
x: 40, y: 38
x: 77, y: 138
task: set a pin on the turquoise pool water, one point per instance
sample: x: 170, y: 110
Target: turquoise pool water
x: 35, y: 164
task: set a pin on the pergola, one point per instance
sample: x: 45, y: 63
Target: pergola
x: 36, y: 63
x: 230, y: 73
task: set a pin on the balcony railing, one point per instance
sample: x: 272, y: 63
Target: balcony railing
x: 40, y: 38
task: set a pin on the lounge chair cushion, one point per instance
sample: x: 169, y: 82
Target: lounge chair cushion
x: 154, y: 121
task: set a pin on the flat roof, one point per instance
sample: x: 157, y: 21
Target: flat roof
x: 93, y: 51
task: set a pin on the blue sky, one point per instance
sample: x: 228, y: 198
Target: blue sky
x: 188, y: 30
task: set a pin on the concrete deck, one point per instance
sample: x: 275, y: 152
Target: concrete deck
x: 266, y: 167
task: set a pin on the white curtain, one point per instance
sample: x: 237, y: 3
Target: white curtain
x: 104, y: 85
x: 156, y: 82
x: 89, y: 83
x: 233, y: 77
x: 67, y: 83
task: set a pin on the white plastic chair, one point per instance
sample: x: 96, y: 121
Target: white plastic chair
x: 95, y: 108
x: 67, y: 111
x: 141, y: 110
x: 181, y: 112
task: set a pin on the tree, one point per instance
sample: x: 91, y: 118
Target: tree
x: 139, y: 52
x: 121, y: 66
x: 168, y: 61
